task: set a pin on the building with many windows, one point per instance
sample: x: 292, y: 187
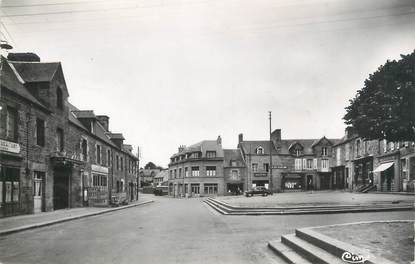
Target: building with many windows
x: 206, y: 169
x: 53, y: 155
x: 297, y: 164
x: 374, y: 164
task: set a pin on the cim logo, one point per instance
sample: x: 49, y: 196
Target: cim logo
x: 352, y: 258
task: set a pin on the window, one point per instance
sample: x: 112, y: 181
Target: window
x: 175, y: 173
x: 325, y: 164
x: 195, y: 155
x: 404, y: 169
x: 118, y: 162
x: 195, y: 171
x: 259, y: 151
x: 8, y: 124
x: 338, y: 156
x: 210, y: 154
x: 59, y: 98
x: 234, y: 175
x: 84, y: 146
x: 309, y: 164
x: 211, y: 188
x: 195, y: 187
x: 234, y: 163
x: 9, y: 185
x: 298, y: 152
x: 98, y: 154
x: 40, y: 132
x: 298, y: 164
x: 60, y: 139
x: 38, y: 178
x: 315, y: 166
x: 254, y: 166
x: 186, y: 172
x: 108, y: 157
x: 266, y: 167
x: 324, y: 151
x: 385, y: 145
x: 210, y: 171
x: 99, y: 180
x: 171, y: 175
x: 180, y: 172
x: 122, y: 163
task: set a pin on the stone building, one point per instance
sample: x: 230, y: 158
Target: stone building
x: 375, y: 165
x: 41, y: 162
x: 297, y: 164
x: 205, y: 169
x: 147, y: 176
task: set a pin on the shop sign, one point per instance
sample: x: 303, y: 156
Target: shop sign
x: 100, y: 169
x: 9, y: 146
x: 260, y: 174
x: 279, y: 167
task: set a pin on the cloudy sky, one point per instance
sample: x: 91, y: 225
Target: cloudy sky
x: 172, y: 72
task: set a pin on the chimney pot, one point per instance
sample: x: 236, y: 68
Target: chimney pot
x: 240, y: 138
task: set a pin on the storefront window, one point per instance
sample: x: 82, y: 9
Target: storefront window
x: 9, y: 184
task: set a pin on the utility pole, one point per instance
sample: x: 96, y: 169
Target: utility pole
x: 270, y: 154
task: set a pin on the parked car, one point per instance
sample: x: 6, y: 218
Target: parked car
x: 258, y: 190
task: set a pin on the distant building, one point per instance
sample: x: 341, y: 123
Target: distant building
x: 147, y: 176
x: 161, y: 177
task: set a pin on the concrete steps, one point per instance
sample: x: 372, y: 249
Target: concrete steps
x: 308, y: 246
x: 227, y: 209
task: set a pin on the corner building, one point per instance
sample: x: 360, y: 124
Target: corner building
x: 205, y: 169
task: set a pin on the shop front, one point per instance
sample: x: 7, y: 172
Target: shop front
x: 294, y: 182
x: 98, y: 194
x: 363, y: 172
x: 11, y: 169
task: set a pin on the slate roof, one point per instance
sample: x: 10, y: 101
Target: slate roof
x: 164, y: 174
x: 84, y: 113
x: 99, y: 130
x: 234, y: 155
x: 115, y: 135
x: 250, y: 146
x: 11, y: 80
x: 36, y: 71
x: 203, y: 146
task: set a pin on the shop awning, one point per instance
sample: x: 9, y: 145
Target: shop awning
x: 383, y: 167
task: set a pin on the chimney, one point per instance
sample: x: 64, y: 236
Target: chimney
x: 21, y: 56
x: 181, y: 148
x: 276, y: 135
x: 219, y: 140
x: 104, y: 121
x: 240, y: 138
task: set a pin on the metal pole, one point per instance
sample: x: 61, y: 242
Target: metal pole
x: 270, y: 155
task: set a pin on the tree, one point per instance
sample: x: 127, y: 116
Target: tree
x: 385, y: 107
x: 150, y: 165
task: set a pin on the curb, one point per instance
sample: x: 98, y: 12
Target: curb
x: 66, y: 219
x: 226, y: 209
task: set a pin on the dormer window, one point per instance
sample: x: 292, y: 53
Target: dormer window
x: 324, y: 151
x: 92, y: 127
x: 59, y: 98
x: 260, y: 150
x: 298, y: 152
x: 210, y: 154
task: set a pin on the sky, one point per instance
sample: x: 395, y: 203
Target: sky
x: 176, y: 72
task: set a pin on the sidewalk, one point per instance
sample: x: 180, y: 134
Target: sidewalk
x: 19, y: 223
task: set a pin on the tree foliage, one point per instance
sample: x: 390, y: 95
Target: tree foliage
x: 385, y: 107
x: 150, y: 166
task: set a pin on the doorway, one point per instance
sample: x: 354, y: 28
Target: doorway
x: 60, y: 188
x: 38, y: 192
